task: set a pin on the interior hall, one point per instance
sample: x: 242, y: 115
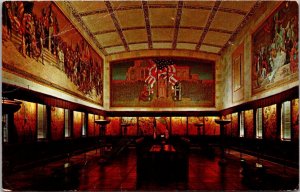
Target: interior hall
x: 150, y: 95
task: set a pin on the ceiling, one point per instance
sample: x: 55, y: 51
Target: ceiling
x: 124, y: 26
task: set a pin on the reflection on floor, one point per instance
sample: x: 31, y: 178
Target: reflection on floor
x: 85, y: 173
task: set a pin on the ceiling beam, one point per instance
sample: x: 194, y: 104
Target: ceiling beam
x: 147, y: 23
x: 209, y: 21
x: 84, y: 27
x: 243, y: 23
x: 117, y: 25
x: 177, y: 23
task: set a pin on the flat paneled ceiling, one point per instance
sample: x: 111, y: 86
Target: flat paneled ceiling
x: 124, y: 26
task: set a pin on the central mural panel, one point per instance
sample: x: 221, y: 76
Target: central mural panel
x: 162, y: 82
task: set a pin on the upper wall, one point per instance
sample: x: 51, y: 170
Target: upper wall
x: 159, y: 103
x: 260, y: 62
x: 43, y: 51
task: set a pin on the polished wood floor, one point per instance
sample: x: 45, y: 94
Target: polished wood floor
x: 84, y: 173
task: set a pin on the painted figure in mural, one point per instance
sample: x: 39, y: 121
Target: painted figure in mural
x: 278, y: 58
x: 6, y: 20
x: 39, y: 33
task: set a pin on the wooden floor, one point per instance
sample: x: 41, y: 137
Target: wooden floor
x: 84, y: 173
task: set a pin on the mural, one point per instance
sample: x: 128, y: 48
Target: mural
x: 146, y: 125
x: 295, y: 119
x: 97, y: 126
x: 179, y: 126
x: 25, y: 122
x: 41, y: 44
x: 77, y: 124
x: 113, y: 128
x: 249, y: 124
x: 57, y: 123
x: 162, y: 125
x: 162, y: 82
x: 228, y: 126
x: 269, y: 121
x: 211, y: 127
x: 91, y: 125
x: 192, y: 129
x: 235, y: 125
x: 130, y: 127
x: 275, y: 49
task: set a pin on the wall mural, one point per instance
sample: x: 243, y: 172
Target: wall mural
x: 130, y: 127
x: 211, y: 127
x: 228, y: 126
x: 235, y: 125
x: 275, y: 49
x: 249, y: 124
x: 57, y: 123
x: 77, y: 124
x: 91, y: 125
x: 179, y: 125
x: 163, y: 82
x: 295, y: 119
x: 192, y: 129
x: 113, y: 128
x: 146, y: 124
x: 41, y: 44
x: 25, y: 122
x: 269, y: 123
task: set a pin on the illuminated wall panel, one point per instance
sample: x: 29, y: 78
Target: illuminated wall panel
x: 132, y: 128
x: 211, y: 128
x: 192, y: 129
x: 235, y: 125
x: 146, y: 125
x: 295, y: 119
x: 228, y: 127
x: 113, y: 128
x: 97, y: 126
x: 91, y: 125
x: 25, y: 122
x: 77, y: 124
x: 57, y: 123
x: 269, y: 121
x: 162, y: 124
x: 179, y: 125
x: 249, y: 124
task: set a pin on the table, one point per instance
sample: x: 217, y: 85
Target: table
x: 102, y: 123
x: 222, y: 123
x: 162, y: 148
x: 198, y: 125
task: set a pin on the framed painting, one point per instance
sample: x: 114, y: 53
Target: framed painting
x: 238, y: 74
x: 275, y: 49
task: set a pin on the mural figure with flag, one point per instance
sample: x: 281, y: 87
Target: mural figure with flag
x: 162, y: 69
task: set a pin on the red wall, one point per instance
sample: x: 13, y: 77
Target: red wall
x: 25, y: 122
x: 57, y: 123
